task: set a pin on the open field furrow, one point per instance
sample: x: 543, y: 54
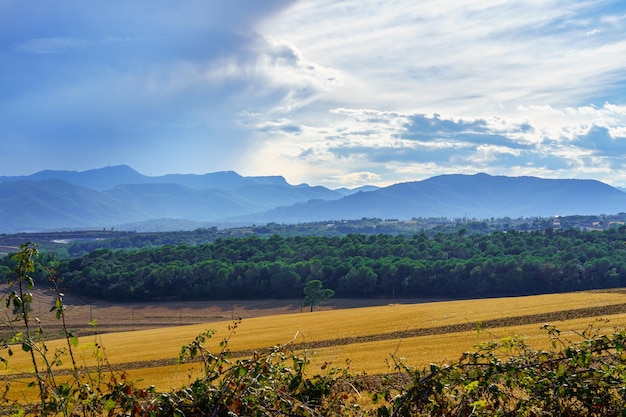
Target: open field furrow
x: 563, y: 315
x: 463, y: 327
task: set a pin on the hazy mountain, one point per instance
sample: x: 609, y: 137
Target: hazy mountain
x: 118, y: 195
x: 179, y: 202
x: 274, y: 196
x: 29, y: 205
x: 456, y: 196
x: 98, y: 179
x: 54, y: 204
x: 109, y: 177
x: 350, y: 191
x: 225, y: 180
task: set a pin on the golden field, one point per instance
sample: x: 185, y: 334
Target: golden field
x: 420, y: 333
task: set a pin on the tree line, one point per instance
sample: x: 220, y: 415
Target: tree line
x: 443, y: 265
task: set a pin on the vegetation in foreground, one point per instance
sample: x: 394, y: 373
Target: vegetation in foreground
x: 501, y: 377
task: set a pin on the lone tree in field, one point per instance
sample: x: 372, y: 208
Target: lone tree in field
x: 315, y: 294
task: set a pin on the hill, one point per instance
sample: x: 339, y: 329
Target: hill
x: 463, y: 196
x: 115, y: 196
x: 112, y: 197
x: 111, y: 176
x: 53, y: 204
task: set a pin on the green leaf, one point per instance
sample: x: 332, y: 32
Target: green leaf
x: 383, y: 412
x: 26, y: 347
x: 109, y: 405
x: 241, y: 371
x: 74, y: 341
x: 295, y: 383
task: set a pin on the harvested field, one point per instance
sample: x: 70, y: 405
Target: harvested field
x: 121, y: 317
x: 367, y: 336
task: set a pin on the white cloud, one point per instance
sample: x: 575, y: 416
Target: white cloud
x: 326, y: 91
x: 462, y: 57
x: 355, y: 179
x: 54, y: 45
x: 573, y: 142
x: 60, y: 44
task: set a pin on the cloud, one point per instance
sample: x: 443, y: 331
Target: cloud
x: 280, y: 68
x: 52, y: 45
x: 540, y: 141
x: 356, y: 178
x: 462, y: 55
x: 279, y: 126
x: 321, y: 91
x: 478, y: 131
x: 141, y: 81
x: 599, y: 140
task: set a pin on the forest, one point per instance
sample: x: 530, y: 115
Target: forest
x: 444, y: 265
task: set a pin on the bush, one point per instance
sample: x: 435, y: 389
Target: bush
x: 507, y: 377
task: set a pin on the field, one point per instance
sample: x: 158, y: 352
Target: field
x: 367, y: 336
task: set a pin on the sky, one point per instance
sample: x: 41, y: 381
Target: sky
x: 339, y: 93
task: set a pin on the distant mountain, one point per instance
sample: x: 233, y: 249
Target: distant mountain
x: 109, y: 177
x: 225, y: 180
x: 97, y: 179
x: 113, y: 196
x: 54, y: 204
x: 456, y: 196
x: 121, y: 197
x: 179, y: 202
x: 350, y: 191
x: 175, y: 201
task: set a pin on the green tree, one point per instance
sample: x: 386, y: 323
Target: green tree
x: 359, y: 280
x: 315, y: 294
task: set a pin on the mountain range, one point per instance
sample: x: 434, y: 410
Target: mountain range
x: 122, y: 198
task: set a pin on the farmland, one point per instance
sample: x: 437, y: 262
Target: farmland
x: 366, y: 336
x: 266, y: 355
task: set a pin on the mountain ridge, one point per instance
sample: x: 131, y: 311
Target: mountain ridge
x: 108, y: 177
x: 120, y: 195
x: 464, y: 196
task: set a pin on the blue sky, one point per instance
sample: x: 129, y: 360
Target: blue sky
x: 327, y: 92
